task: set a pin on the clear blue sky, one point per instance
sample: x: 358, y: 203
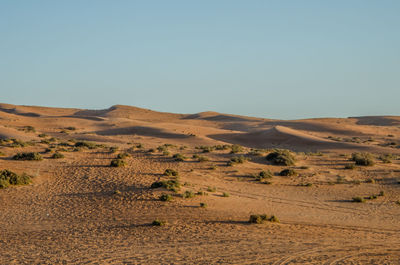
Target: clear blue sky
x: 273, y: 59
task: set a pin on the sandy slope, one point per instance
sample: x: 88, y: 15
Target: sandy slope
x: 71, y: 213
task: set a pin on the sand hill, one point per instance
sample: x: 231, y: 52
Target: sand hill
x: 78, y: 209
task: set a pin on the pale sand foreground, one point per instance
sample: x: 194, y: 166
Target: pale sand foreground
x: 71, y: 213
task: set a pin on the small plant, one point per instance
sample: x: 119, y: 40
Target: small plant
x: 262, y: 218
x: 238, y: 159
x: 202, y: 193
x: 370, y: 181
x: 211, y: 189
x: 179, y: 157
x: 171, y: 172
x: 350, y: 166
x: 225, y: 194
x: 381, y: 193
x: 236, y: 149
x: 202, y: 159
x: 27, y: 156
x: 57, y: 155
x: 42, y: 135
x: 203, y: 205
x: 165, y: 197
x: 281, y: 157
x: 117, y: 192
x: 188, y: 194
x: 158, y: 222
x: 171, y: 184
x: 387, y: 158
x: 29, y: 129
x: 84, y: 144
x: 288, y: 172
x: 263, y: 175
x: 8, y: 178
x: 117, y: 163
x: 358, y: 199
x: 363, y: 159
x: 122, y: 155
x: 113, y: 149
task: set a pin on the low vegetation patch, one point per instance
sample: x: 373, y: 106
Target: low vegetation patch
x: 165, y: 197
x: 179, y: 157
x: 288, y: 172
x: 363, y: 159
x: 28, y: 156
x: 9, y: 178
x: 263, y: 175
x: 122, y: 155
x: 236, y: 149
x: 171, y: 184
x: 117, y: 163
x: 57, y: 155
x: 203, y: 205
x: 262, y: 218
x: 237, y: 160
x: 84, y: 144
x: 225, y: 194
x: 171, y: 172
x: 281, y: 157
x: 188, y: 194
x: 158, y: 222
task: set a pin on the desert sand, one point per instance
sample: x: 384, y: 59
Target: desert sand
x: 80, y: 210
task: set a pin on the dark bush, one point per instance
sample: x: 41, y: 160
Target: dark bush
x: 236, y: 149
x: 171, y: 172
x: 363, y: 159
x: 179, y: 157
x: 281, y: 157
x: 117, y: 163
x: 165, y: 197
x: 288, y: 172
x: 171, y: 184
x: 27, y: 156
x: 159, y: 222
x: 57, y: 155
x: 261, y: 218
x: 188, y: 194
x: 84, y: 144
x: 8, y: 178
x: 122, y: 155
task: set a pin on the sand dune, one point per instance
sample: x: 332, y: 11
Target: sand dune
x: 80, y: 210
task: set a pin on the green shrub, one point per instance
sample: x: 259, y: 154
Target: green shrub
x: 122, y: 155
x: 158, y: 222
x: 263, y: 175
x: 179, y: 157
x: 262, y: 218
x: 57, y: 155
x: 387, y: 158
x: 165, y: 197
x: 171, y: 172
x: 202, y: 193
x: 211, y: 189
x: 288, y: 172
x: 27, y: 156
x: 84, y: 144
x: 350, y: 166
x: 202, y: 159
x: 236, y: 149
x: 281, y: 157
x: 117, y: 163
x: 171, y: 184
x: 8, y: 178
x: 358, y: 199
x: 188, y: 194
x: 203, y: 205
x: 225, y: 194
x: 238, y: 159
x: 363, y: 159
